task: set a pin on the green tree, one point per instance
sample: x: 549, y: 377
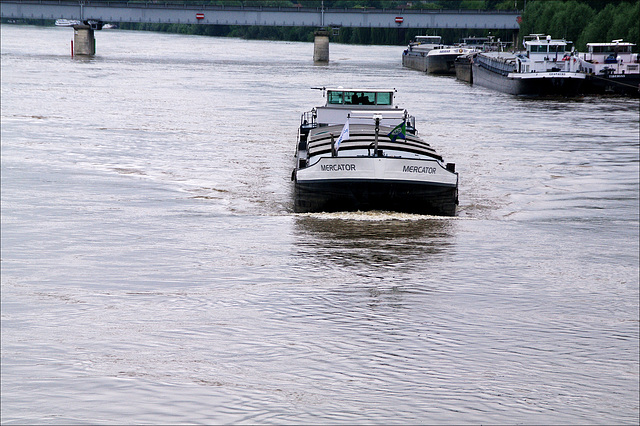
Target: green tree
x: 570, y: 20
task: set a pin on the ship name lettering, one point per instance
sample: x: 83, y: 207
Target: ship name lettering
x: 419, y: 169
x: 338, y: 167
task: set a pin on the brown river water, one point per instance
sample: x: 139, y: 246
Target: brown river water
x: 153, y: 270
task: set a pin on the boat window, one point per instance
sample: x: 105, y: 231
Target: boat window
x: 350, y: 98
x: 536, y: 48
x: 428, y: 39
x: 559, y: 48
x: 605, y: 49
x: 360, y: 98
x: 384, y: 98
x: 609, y: 49
x: 368, y: 98
x: 334, y: 97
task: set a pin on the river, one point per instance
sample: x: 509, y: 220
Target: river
x: 153, y: 270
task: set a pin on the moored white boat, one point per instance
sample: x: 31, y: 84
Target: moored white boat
x: 547, y: 67
x: 360, y: 152
x: 611, y: 68
x: 67, y: 22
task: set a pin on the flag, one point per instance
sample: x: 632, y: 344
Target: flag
x: 400, y: 131
x: 344, y: 135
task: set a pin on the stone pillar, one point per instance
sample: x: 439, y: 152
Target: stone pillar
x: 84, y: 42
x: 321, y: 46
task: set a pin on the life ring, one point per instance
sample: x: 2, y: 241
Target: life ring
x: 460, y: 51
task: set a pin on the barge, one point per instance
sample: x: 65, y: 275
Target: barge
x: 359, y: 152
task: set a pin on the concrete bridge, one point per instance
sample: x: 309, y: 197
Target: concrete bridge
x: 93, y: 13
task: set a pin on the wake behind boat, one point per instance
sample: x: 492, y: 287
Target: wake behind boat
x: 360, y: 152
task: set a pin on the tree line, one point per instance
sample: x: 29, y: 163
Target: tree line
x: 582, y: 21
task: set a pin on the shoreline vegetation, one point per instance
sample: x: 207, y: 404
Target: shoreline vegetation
x: 580, y: 21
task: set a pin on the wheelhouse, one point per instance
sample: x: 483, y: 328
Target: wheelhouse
x: 359, y: 97
x: 617, y: 46
x: 428, y: 39
x: 342, y: 103
x: 610, y: 53
x: 547, y: 47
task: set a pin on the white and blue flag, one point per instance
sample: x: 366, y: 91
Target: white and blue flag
x: 344, y: 135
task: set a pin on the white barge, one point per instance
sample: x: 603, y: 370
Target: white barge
x: 359, y: 152
x: 611, y: 68
x: 547, y: 67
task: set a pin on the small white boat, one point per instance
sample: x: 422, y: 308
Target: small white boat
x: 359, y: 152
x: 67, y: 22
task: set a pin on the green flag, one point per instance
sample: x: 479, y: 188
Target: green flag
x: 400, y: 131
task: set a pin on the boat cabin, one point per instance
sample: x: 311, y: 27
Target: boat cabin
x: 482, y: 43
x: 357, y: 105
x: 616, y: 57
x: 544, y: 54
x: 425, y: 43
x: 547, y: 49
x: 610, y: 53
x: 359, y: 97
x: 427, y: 40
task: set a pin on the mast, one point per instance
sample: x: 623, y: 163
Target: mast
x: 376, y: 117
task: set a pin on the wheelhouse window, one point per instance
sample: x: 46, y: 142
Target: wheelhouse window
x: 537, y: 48
x: 384, y: 98
x: 609, y: 49
x: 334, y: 97
x: 359, y: 98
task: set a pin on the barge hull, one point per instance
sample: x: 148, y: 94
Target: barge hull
x: 617, y: 84
x: 441, y: 64
x: 416, y: 61
x: 463, y: 69
x: 543, y: 86
x: 363, y: 195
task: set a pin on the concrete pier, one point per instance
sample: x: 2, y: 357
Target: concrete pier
x: 84, y: 42
x: 321, y: 46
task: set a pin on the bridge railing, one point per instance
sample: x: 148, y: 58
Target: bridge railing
x: 185, y: 12
x: 190, y: 5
